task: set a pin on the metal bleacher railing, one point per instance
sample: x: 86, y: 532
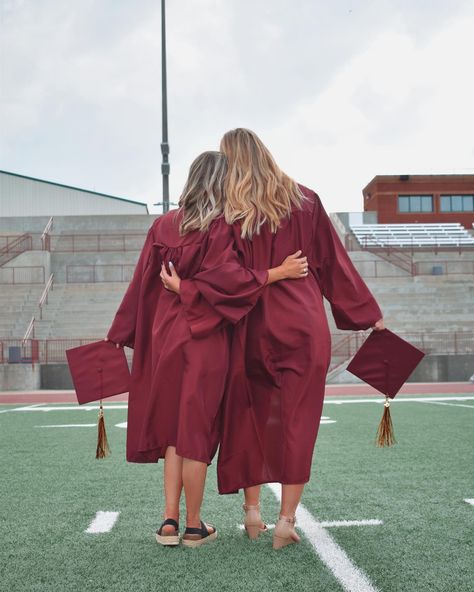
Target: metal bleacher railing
x: 52, y: 351
x: 26, y: 274
x: 412, y: 235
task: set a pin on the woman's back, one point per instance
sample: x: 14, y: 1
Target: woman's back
x: 282, y: 349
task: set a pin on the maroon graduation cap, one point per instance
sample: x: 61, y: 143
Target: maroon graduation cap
x: 385, y: 361
x: 98, y: 370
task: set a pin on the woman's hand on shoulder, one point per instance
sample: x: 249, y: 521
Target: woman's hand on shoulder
x: 379, y: 325
x: 171, y: 281
x: 117, y: 345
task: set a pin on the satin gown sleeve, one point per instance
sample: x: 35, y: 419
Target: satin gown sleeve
x: 122, y: 330
x: 231, y: 289
x: 353, y: 305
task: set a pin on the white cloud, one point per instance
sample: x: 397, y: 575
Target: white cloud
x: 339, y: 90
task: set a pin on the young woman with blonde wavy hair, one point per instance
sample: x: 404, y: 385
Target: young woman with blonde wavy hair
x: 181, y: 345
x: 282, y: 348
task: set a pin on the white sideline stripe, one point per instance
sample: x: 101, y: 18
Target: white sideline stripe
x: 332, y: 523
x: 351, y: 578
x: 68, y: 425
x: 469, y: 501
x: 326, y: 402
x: 66, y: 408
x: 450, y: 404
x: 401, y: 400
x: 328, y: 421
x: 336, y: 523
x: 103, y: 522
x: 27, y: 408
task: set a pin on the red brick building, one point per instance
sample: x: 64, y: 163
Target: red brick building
x: 406, y: 199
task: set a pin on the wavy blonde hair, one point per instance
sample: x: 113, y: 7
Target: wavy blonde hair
x: 257, y: 190
x: 202, y: 198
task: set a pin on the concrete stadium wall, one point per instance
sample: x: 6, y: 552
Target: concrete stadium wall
x: 432, y: 368
x: 20, y: 377
x: 32, y: 258
x: 75, y: 224
x: 56, y: 376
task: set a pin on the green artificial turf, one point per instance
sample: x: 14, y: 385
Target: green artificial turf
x: 52, y: 486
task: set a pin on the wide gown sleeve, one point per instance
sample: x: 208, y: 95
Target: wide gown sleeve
x: 353, y: 305
x: 122, y: 330
x: 231, y: 289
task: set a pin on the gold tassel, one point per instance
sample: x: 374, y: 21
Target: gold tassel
x: 385, y: 435
x: 103, y: 449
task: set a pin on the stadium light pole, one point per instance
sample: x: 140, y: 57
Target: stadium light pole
x: 165, y: 148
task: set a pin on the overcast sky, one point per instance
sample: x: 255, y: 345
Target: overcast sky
x: 339, y: 90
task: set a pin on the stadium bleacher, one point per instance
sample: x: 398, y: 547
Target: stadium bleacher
x: 91, y: 273
x: 412, y: 235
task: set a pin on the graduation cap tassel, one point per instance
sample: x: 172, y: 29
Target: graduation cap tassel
x: 103, y: 449
x: 385, y: 435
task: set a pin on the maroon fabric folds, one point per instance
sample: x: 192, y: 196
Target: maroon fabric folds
x: 181, y: 344
x: 98, y: 370
x: 281, y: 350
x: 385, y: 361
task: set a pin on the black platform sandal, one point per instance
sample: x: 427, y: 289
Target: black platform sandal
x: 194, y: 537
x: 168, y: 540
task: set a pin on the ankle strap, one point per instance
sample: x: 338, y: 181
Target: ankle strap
x: 247, y: 507
x: 289, y: 519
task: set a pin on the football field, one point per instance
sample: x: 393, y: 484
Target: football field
x: 399, y: 519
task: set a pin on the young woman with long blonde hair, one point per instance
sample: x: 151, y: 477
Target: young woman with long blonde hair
x: 181, y: 345
x: 281, y: 349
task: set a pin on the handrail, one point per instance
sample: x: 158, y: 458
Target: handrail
x: 30, y: 330
x: 45, y: 237
x: 44, y: 296
x: 7, y: 249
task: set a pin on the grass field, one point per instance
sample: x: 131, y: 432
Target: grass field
x: 51, y: 488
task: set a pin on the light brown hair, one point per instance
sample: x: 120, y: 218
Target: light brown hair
x: 202, y: 198
x: 257, y: 190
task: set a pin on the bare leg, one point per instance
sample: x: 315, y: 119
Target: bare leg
x: 252, y: 499
x: 173, y: 485
x: 290, y: 498
x: 194, y: 479
x: 285, y: 533
x: 252, y: 495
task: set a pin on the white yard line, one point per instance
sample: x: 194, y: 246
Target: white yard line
x: 400, y: 400
x: 469, y: 501
x: 328, y: 401
x: 333, y: 523
x: 68, y: 425
x: 103, y: 522
x: 337, y: 523
x: 66, y: 408
x: 449, y: 404
x: 27, y: 408
x: 351, y: 578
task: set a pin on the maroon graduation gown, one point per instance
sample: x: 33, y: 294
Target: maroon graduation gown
x: 281, y: 350
x: 181, y: 345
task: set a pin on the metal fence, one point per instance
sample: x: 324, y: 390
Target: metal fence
x: 81, y: 274
x: 27, y: 274
x: 344, y: 346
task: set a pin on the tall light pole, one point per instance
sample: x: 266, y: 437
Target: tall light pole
x: 165, y: 148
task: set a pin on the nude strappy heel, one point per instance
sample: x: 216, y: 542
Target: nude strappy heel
x: 253, y: 521
x: 285, y: 533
